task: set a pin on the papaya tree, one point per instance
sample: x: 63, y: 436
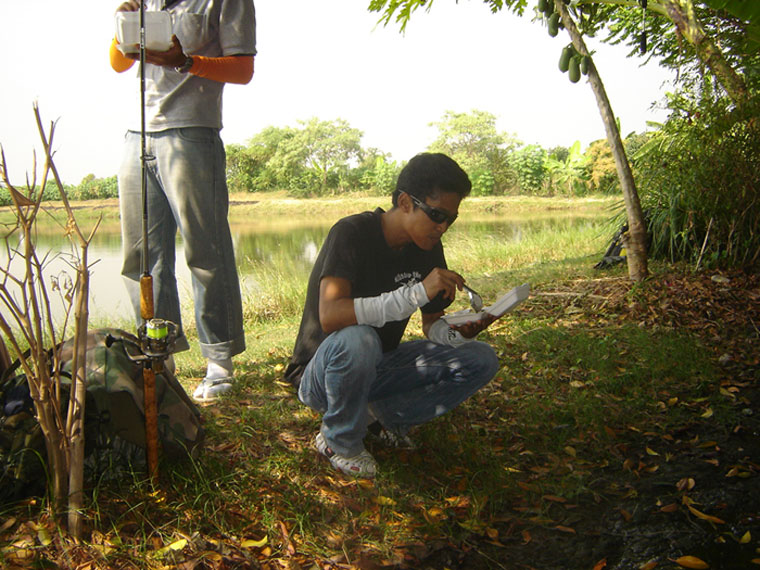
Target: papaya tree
x: 722, y: 36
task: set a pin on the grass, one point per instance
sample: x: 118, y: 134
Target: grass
x: 587, y: 368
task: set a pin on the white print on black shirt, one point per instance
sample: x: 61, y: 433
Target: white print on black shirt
x: 409, y: 279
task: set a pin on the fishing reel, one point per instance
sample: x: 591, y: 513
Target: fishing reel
x: 157, y: 338
x: 155, y: 343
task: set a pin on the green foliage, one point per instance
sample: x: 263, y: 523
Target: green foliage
x: 528, y: 164
x: 92, y: 188
x: 699, y: 181
x: 625, y: 25
x: 569, y: 176
x: 603, y: 176
x: 378, y: 173
x: 474, y: 142
x: 49, y: 193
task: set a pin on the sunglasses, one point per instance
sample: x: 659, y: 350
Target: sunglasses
x: 436, y: 215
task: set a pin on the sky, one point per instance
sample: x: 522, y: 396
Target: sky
x: 317, y: 58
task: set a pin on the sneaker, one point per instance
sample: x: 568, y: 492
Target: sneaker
x: 390, y: 438
x: 209, y: 390
x: 360, y: 465
x: 396, y: 440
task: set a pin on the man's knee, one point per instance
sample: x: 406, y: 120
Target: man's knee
x: 486, y: 360
x: 359, y: 340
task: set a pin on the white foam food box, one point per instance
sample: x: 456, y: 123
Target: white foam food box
x: 503, y: 305
x: 158, y: 31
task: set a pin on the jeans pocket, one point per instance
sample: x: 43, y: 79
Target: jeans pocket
x: 202, y: 135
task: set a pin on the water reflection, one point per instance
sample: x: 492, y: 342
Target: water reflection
x: 288, y: 248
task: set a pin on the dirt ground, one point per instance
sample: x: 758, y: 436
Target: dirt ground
x: 644, y: 522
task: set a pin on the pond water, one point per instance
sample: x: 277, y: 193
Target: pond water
x: 265, y: 246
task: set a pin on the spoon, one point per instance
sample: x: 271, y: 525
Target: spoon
x: 476, y: 301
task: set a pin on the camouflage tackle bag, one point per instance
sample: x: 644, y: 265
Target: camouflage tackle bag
x: 114, y: 416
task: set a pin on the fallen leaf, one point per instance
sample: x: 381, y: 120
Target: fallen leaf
x: 649, y: 565
x: 704, y: 516
x: 671, y: 508
x: 554, y: 498
x: 746, y: 537
x: 211, y: 555
x: 601, y: 564
x: 250, y: 543
x: 382, y: 500
x: 686, y: 484
x: 707, y: 413
x: 44, y: 536
x: 565, y: 529
x: 651, y: 451
x: 526, y: 537
x: 691, y: 562
x: 8, y: 523
x: 178, y: 544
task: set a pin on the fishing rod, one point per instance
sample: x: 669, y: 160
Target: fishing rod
x: 156, y: 336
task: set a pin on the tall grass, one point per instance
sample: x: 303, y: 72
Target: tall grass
x: 699, y: 181
x: 279, y: 285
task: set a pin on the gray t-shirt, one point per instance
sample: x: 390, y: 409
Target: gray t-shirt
x: 210, y: 28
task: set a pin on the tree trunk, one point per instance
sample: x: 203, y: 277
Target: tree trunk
x: 75, y: 422
x: 636, y: 239
x: 681, y: 12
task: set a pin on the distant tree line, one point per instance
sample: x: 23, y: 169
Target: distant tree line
x: 319, y: 158
x: 697, y: 172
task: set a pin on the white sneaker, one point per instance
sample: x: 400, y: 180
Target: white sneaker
x: 360, y: 465
x: 209, y: 390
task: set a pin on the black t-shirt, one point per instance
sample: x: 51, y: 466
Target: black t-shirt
x: 355, y: 249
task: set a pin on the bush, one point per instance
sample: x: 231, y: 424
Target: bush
x: 698, y: 179
x: 92, y: 188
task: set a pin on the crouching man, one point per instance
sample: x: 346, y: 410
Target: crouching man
x: 373, y: 272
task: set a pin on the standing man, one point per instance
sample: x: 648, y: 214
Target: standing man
x: 214, y: 43
x: 373, y: 272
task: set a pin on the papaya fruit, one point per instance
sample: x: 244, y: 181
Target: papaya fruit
x: 574, y: 72
x: 564, y: 58
x: 584, y: 64
x: 548, y: 8
x: 542, y: 5
x: 553, y: 24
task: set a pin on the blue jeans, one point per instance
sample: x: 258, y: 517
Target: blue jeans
x: 418, y: 381
x: 186, y: 190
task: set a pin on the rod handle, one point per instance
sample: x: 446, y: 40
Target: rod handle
x: 151, y: 422
x: 146, y: 297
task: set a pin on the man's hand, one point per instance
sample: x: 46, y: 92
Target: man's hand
x: 473, y: 328
x: 173, y: 57
x: 442, y: 280
x: 129, y: 6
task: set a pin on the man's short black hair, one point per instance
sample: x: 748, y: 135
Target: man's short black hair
x: 429, y: 173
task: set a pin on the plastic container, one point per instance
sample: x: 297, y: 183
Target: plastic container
x: 158, y: 31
